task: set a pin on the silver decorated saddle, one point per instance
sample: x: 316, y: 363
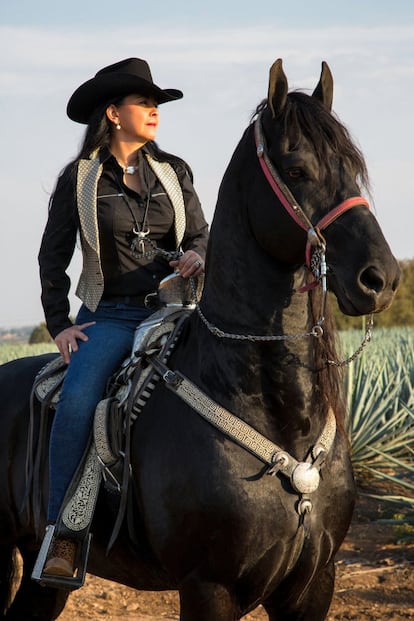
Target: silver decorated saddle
x: 107, y: 457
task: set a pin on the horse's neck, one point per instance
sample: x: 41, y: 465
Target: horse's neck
x: 272, y: 381
x: 242, y: 299
x: 247, y: 292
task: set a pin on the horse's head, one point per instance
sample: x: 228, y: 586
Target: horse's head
x: 315, y: 172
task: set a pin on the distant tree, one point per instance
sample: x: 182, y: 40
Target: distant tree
x: 40, y: 334
x: 401, y: 312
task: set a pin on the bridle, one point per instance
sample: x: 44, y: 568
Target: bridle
x: 315, y: 239
x: 315, y: 250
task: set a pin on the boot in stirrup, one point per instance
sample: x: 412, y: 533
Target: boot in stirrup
x: 61, y: 558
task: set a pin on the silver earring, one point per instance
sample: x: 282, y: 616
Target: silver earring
x: 118, y: 126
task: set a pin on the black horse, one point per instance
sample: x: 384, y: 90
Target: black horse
x: 208, y: 519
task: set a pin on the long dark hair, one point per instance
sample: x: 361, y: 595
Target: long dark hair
x: 98, y: 132
x: 97, y: 135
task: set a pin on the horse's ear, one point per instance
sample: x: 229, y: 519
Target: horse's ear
x: 324, y: 88
x: 278, y: 88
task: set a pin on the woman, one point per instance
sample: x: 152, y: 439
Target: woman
x: 116, y: 195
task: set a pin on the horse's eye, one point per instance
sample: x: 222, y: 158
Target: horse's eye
x: 294, y: 173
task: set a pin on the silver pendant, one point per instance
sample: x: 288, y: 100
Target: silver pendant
x: 140, y: 240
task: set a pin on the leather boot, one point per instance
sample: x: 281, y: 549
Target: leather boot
x: 61, y: 558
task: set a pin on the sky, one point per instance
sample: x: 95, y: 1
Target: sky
x: 219, y: 54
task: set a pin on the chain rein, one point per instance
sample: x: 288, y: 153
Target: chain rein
x: 156, y: 251
x: 316, y: 261
x: 316, y: 331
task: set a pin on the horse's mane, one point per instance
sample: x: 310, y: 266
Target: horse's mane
x: 306, y: 115
x: 330, y: 377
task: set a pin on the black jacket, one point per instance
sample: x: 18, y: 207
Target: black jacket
x: 120, y: 210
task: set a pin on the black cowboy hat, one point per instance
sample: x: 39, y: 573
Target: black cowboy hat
x: 126, y: 77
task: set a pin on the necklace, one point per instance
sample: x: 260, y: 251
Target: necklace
x: 130, y: 170
x: 140, y: 231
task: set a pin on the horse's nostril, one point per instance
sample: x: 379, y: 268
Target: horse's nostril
x: 373, y: 279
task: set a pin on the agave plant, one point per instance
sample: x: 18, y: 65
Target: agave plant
x: 380, y: 395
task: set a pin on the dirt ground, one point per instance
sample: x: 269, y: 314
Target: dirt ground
x: 375, y: 580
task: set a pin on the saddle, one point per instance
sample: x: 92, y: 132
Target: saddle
x: 107, y: 458
x: 174, y: 298
x: 131, y: 386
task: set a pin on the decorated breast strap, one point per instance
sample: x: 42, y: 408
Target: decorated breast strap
x: 304, y: 476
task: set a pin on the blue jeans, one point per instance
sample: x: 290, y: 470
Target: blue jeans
x: 110, y: 342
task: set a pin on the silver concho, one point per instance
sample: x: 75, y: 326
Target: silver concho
x: 305, y: 478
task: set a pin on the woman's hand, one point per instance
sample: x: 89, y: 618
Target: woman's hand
x: 67, y: 340
x: 189, y: 264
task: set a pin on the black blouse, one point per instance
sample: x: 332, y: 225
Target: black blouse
x: 120, y: 210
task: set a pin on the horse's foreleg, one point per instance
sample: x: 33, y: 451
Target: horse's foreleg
x: 312, y: 606
x: 33, y: 601
x: 206, y: 601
